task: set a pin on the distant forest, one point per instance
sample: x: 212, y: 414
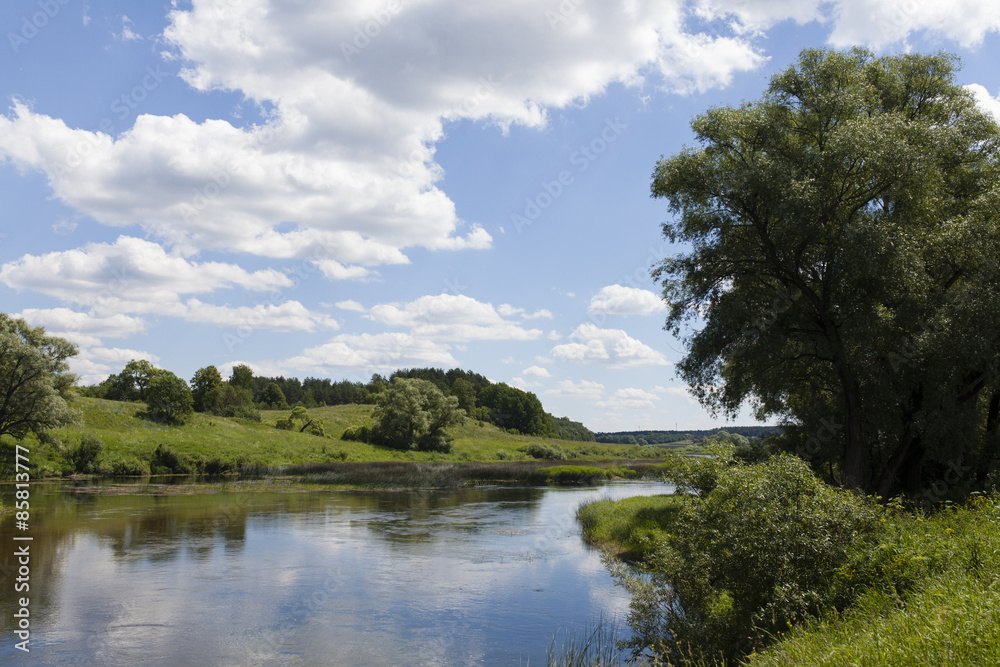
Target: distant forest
x: 667, y: 437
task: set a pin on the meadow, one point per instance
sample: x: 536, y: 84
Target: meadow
x: 132, y: 444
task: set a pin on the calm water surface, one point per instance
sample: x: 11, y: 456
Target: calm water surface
x: 476, y: 576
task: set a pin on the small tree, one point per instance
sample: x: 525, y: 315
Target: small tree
x: 168, y: 398
x: 413, y: 414
x: 273, y: 397
x: 34, y: 378
x: 242, y: 377
x: 204, y: 380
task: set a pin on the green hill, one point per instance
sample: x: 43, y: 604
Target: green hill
x: 127, y: 435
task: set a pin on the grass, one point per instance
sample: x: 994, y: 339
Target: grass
x: 128, y: 435
x: 932, y: 595
x: 946, y: 613
x: 627, y: 527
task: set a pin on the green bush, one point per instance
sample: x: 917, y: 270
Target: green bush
x: 358, y: 434
x: 540, y: 450
x: 84, y: 456
x: 756, y: 553
x: 167, y: 461
x: 118, y: 465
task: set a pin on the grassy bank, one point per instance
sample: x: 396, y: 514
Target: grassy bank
x: 216, y: 444
x: 930, y: 593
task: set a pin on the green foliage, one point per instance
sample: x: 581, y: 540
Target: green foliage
x: 119, y: 465
x: 84, y: 457
x: 167, y: 461
x: 34, y: 379
x: 754, y: 552
x: 566, y: 429
x: 540, y: 450
x: 413, y: 414
x: 168, y: 398
x: 273, y: 397
x: 204, y: 380
x: 512, y: 408
x: 242, y: 378
x: 225, y: 400
x: 131, y: 383
x: 843, y: 239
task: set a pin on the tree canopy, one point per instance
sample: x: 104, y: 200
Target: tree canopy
x: 842, y: 267
x: 34, y: 378
x: 413, y: 414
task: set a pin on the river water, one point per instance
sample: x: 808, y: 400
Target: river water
x: 458, y: 577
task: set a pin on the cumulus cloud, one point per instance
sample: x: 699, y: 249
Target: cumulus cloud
x: 372, y: 353
x: 879, y: 24
x: 537, y: 371
x: 82, y: 328
x: 622, y: 300
x: 985, y: 101
x: 451, y: 317
x: 584, y: 389
x: 347, y: 148
x: 630, y: 397
x: 130, y: 270
x: 607, y: 347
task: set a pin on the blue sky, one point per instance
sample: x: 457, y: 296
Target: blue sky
x: 333, y: 189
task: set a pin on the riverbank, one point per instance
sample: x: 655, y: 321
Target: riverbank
x: 130, y: 444
x: 932, y: 594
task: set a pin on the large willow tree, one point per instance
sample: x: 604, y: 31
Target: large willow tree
x: 842, y: 272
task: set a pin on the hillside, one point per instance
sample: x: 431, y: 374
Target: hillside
x: 126, y: 434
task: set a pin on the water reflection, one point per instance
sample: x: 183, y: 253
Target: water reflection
x: 469, y: 576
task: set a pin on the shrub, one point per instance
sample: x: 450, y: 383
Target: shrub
x: 413, y: 414
x: 540, y: 450
x: 84, y: 456
x: 118, y: 465
x: 358, y: 434
x: 167, y: 461
x: 756, y: 553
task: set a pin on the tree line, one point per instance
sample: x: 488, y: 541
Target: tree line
x: 244, y: 395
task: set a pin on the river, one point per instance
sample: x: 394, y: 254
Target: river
x: 456, y: 577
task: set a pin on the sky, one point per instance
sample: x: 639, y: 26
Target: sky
x: 336, y: 189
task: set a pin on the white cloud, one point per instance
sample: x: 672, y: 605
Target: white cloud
x: 347, y: 151
x: 985, y: 101
x: 131, y: 271
x: 630, y: 398
x: 537, y: 371
x: 584, y: 389
x: 372, y: 353
x: 287, y: 316
x: 878, y: 23
x: 608, y: 347
x: 451, y: 317
x: 352, y: 305
x: 82, y: 328
x: 622, y: 300
x: 127, y: 34
x: 539, y: 314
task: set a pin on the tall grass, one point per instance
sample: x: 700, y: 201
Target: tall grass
x: 596, y: 645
